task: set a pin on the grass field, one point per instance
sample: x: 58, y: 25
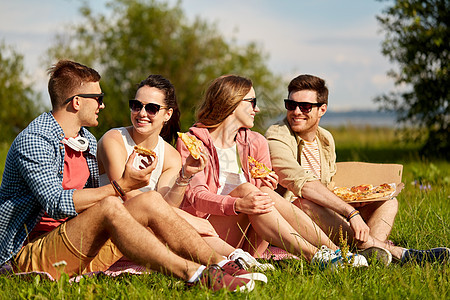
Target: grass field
x: 422, y: 222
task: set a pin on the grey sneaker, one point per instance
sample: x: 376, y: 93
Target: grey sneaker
x: 327, y: 258
x: 377, y: 254
x: 441, y: 255
x: 247, y: 261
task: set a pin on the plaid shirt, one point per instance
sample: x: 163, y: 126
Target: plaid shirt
x: 32, y: 181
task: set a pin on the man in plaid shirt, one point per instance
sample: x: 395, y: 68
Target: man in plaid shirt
x: 51, y: 167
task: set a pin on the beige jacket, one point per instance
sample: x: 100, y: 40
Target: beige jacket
x: 285, y: 148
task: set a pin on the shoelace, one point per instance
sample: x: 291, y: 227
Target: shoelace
x: 213, y: 275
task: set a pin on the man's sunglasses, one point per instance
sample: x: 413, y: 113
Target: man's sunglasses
x: 252, y: 101
x: 150, y: 108
x: 97, y: 97
x: 305, y: 107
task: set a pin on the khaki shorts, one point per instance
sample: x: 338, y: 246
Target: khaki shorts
x: 46, y: 252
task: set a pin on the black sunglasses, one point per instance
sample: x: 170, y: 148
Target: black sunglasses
x: 150, y: 108
x: 98, y: 97
x: 305, y: 107
x: 252, y: 101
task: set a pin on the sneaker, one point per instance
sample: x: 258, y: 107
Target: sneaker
x: 440, y: 254
x: 247, y: 261
x: 326, y: 257
x: 215, y: 278
x: 234, y: 269
x: 377, y: 254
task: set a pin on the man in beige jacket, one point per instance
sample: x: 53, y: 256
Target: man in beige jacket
x: 303, y: 156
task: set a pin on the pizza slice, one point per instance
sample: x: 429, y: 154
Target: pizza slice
x: 150, y: 154
x: 144, y: 151
x: 192, y: 143
x: 362, y: 188
x: 381, y: 191
x: 345, y: 194
x: 258, y: 169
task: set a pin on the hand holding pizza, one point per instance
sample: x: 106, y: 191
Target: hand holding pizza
x: 196, y: 161
x: 133, y: 178
x: 270, y: 180
x: 192, y: 166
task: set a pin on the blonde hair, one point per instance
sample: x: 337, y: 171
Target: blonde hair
x: 221, y: 98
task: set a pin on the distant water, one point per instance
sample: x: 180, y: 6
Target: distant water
x: 359, y: 118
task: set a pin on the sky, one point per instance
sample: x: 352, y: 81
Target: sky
x: 337, y: 40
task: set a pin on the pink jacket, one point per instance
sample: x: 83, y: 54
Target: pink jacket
x: 201, y: 197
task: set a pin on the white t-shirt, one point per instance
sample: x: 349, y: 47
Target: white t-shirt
x: 129, y: 145
x: 230, y: 174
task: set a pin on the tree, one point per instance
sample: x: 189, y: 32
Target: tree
x: 418, y: 41
x: 138, y: 38
x: 20, y: 104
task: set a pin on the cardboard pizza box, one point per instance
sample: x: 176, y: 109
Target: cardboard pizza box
x: 353, y: 173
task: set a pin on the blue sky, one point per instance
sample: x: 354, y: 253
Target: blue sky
x: 338, y: 40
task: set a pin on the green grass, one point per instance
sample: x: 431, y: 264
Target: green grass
x: 422, y: 222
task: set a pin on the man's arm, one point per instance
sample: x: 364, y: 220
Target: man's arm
x: 316, y: 192
x: 303, y: 183
x: 131, y: 179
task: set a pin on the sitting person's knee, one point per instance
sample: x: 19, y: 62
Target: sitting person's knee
x: 151, y: 201
x: 111, y: 205
x: 305, y: 205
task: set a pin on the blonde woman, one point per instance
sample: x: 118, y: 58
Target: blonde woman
x: 225, y: 193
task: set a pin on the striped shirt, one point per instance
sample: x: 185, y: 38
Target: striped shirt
x: 32, y: 181
x: 310, y: 157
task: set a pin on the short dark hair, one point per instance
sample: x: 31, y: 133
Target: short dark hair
x: 170, y: 129
x: 65, y: 78
x: 309, y: 82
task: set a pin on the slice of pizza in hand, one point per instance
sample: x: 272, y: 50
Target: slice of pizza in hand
x: 258, y: 169
x: 192, y: 143
x: 145, y: 152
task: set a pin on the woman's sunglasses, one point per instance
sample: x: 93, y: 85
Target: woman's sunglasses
x: 252, y: 101
x: 305, y: 107
x: 150, y: 108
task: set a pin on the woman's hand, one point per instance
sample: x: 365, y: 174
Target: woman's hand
x: 192, y: 166
x: 271, y: 180
x: 255, y: 202
x: 133, y: 178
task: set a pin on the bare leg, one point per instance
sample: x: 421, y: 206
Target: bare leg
x: 109, y: 218
x: 220, y: 246
x: 254, y: 244
x: 329, y: 221
x: 380, y: 217
x: 300, y: 221
x: 180, y: 237
x: 271, y: 227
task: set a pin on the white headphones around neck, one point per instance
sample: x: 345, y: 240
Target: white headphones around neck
x: 78, y: 144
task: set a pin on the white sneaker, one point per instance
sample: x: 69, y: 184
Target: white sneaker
x: 326, y: 257
x: 248, y: 261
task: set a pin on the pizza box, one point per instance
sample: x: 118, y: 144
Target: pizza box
x: 353, y: 173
